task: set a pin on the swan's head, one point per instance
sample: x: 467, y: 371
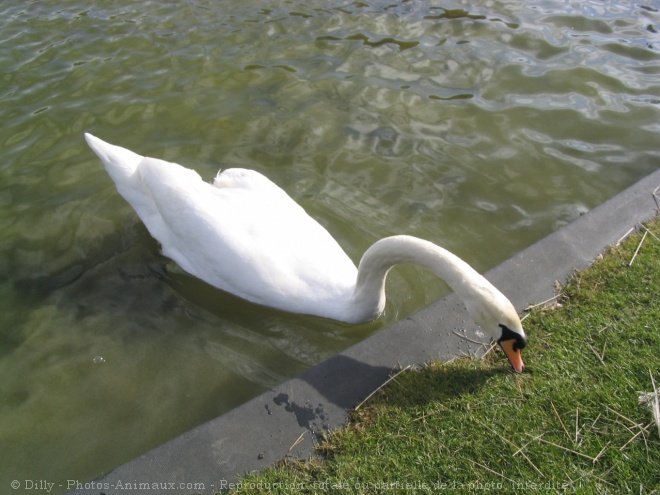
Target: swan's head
x: 493, y: 312
x: 512, y: 340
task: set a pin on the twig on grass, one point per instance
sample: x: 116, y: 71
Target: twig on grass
x: 603, y: 480
x: 575, y: 452
x: 519, y: 450
x: 624, y: 236
x: 441, y: 407
x: 643, y: 429
x: 651, y: 233
x: 600, y: 358
x: 640, y: 432
x: 636, y: 425
x: 492, y: 471
x: 493, y: 345
x: 593, y: 424
x: 638, y: 247
x: 385, y: 383
x: 601, y: 452
x: 560, y: 421
x: 543, y: 303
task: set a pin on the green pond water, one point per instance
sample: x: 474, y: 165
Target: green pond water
x: 482, y: 126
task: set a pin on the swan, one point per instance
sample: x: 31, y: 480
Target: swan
x: 245, y: 235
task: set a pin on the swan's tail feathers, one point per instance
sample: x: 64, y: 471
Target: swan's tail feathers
x: 120, y: 163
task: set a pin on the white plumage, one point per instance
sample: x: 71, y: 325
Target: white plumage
x: 245, y: 235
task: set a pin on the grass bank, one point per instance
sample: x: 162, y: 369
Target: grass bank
x: 572, y: 424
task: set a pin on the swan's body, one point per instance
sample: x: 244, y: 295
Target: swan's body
x: 245, y: 235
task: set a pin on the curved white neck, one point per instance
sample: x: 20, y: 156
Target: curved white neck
x: 469, y: 285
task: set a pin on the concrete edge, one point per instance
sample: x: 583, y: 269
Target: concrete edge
x: 287, y: 420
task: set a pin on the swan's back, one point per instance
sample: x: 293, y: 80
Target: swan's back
x: 242, y: 234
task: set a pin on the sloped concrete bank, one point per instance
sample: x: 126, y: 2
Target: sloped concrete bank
x: 287, y: 419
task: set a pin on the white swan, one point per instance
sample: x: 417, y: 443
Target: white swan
x: 245, y: 235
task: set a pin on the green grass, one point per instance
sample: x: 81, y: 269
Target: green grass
x: 573, y: 424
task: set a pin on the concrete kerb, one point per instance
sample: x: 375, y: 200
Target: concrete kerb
x: 288, y: 420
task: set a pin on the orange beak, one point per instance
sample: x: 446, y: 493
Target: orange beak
x: 514, y: 356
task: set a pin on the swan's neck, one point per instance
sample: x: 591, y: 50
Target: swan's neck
x: 369, y: 295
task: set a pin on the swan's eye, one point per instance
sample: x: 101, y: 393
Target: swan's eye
x: 520, y: 343
x: 508, y: 334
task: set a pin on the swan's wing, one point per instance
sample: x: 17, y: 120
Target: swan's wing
x: 242, y: 178
x: 242, y: 234
x: 247, y: 236
x: 143, y: 194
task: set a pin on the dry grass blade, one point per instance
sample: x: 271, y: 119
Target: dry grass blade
x: 656, y: 405
x: 385, y: 383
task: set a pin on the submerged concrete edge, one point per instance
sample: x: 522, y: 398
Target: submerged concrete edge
x: 288, y: 420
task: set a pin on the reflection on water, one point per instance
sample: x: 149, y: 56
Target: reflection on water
x: 480, y: 127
